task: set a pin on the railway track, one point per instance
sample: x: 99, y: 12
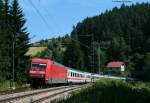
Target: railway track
x: 37, y: 96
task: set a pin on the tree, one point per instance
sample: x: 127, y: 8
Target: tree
x: 46, y: 54
x: 20, y: 39
x: 146, y: 68
x: 94, y: 57
x: 4, y: 40
x: 73, y: 57
x: 117, y: 49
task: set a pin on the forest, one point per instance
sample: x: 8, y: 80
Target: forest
x: 120, y: 34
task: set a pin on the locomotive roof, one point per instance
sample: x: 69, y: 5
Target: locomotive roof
x: 56, y: 63
x: 40, y: 60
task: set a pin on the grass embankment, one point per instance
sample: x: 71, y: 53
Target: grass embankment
x: 4, y: 86
x: 109, y: 91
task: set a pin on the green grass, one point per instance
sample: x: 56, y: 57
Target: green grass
x: 110, y: 91
x: 6, y: 86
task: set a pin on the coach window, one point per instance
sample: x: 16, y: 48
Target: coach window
x: 71, y: 74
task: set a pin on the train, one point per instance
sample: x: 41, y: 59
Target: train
x: 45, y: 72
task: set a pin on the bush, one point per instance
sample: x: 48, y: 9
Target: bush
x: 110, y: 91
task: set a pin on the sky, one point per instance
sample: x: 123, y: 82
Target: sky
x: 52, y: 18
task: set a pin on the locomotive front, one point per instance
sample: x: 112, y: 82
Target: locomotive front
x: 37, y: 72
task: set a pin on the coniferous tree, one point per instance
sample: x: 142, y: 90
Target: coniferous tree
x: 146, y: 67
x: 73, y: 56
x: 5, y: 40
x: 20, y: 39
x: 1, y: 40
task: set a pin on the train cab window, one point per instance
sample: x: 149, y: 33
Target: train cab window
x: 35, y: 65
x: 38, y: 65
x: 42, y: 65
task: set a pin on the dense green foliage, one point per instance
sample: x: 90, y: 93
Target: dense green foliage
x: 108, y: 91
x: 73, y: 56
x: 121, y: 34
x: 13, y: 35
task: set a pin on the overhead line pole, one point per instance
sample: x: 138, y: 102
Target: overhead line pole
x: 13, y: 60
x: 92, y: 54
x: 99, y: 56
x: 92, y: 51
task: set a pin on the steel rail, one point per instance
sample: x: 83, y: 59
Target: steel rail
x: 55, y: 94
x: 10, y: 98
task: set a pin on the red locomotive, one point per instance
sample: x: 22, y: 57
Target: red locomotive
x: 45, y: 71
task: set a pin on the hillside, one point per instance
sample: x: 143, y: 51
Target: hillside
x: 122, y: 34
x: 33, y: 51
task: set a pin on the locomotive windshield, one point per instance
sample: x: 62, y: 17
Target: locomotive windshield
x: 38, y: 65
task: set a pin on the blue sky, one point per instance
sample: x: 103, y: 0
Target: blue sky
x: 59, y: 16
